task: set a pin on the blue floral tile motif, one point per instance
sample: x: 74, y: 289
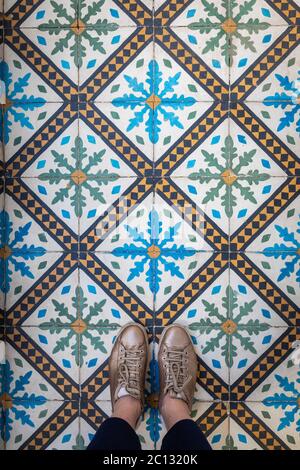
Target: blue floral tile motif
x: 287, y: 251
x: 16, y: 250
x: 155, y: 101
x: 17, y: 401
x: 277, y: 251
x: 154, y: 252
x: 287, y: 401
x: 287, y: 101
x: 19, y: 101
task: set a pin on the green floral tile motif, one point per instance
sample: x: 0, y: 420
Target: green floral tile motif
x: 228, y: 187
x: 77, y: 326
x: 77, y: 36
x: 78, y: 177
x: 230, y: 326
x: 230, y: 26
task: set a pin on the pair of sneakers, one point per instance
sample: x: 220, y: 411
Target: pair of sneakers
x: 176, y: 359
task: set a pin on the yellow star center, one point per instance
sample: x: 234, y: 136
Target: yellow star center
x: 229, y: 26
x: 153, y: 251
x: 7, y: 104
x: 153, y: 101
x: 6, y: 401
x: 78, y: 27
x: 78, y: 177
x: 5, y: 252
x: 228, y: 177
x: 229, y: 327
x: 152, y: 400
x: 79, y: 326
x: 298, y: 401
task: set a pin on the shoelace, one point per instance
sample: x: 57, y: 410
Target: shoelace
x: 176, y: 370
x: 129, y: 370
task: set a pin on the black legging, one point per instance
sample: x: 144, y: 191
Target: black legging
x: 117, y: 434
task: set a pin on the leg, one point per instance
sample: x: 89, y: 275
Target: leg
x: 127, y: 371
x: 115, y: 434
x: 178, y: 368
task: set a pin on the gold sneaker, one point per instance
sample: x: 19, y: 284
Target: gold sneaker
x: 177, y: 362
x: 128, y: 363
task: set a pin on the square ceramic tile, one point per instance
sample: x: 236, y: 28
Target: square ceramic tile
x: 275, y: 251
x: 28, y: 425
x: 128, y: 301
x: 130, y: 135
x: 34, y: 352
x: 27, y: 211
x: 206, y: 205
x: 186, y: 72
x: 23, y: 14
x: 249, y: 45
x: 60, y: 44
x: 282, y: 83
x: 122, y: 276
x: 104, y: 228
x: 270, y: 414
x: 277, y: 120
x: 150, y: 172
x: 104, y: 68
x: 110, y: 15
x: 248, y: 195
x: 69, y: 438
x: 239, y: 438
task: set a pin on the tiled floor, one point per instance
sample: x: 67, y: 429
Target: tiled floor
x: 150, y: 174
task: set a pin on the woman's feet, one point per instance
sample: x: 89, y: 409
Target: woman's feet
x: 177, y: 369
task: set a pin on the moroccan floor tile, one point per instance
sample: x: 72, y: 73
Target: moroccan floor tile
x: 201, y: 206
x: 150, y: 162
x: 24, y: 271
x: 253, y: 192
x: 120, y: 273
x: 277, y: 122
x: 35, y: 351
x: 18, y: 13
x: 130, y: 135
x: 248, y: 45
x: 239, y: 438
x: 69, y: 438
x: 272, y: 418
x: 275, y: 253
x: 199, y: 43
x: 52, y: 42
x: 106, y: 229
x: 112, y: 15
x: 275, y: 402
x: 281, y: 83
x: 107, y: 73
